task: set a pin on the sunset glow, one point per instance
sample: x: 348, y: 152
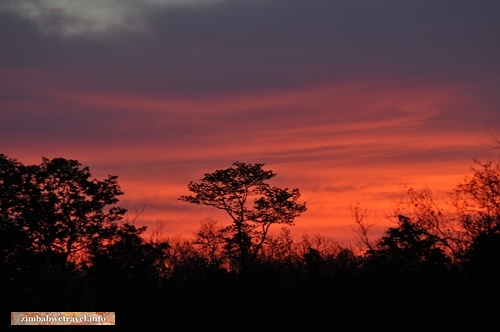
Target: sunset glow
x: 346, y: 112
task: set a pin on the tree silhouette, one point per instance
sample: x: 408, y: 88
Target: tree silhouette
x: 210, y: 242
x: 127, y: 271
x: 230, y: 190
x: 410, y: 246
x: 55, y: 208
x: 478, y: 200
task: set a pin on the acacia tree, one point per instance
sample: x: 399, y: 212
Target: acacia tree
x: 230, y: 190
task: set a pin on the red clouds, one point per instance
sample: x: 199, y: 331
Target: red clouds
x: 344, y: 100
x: 340, y: 144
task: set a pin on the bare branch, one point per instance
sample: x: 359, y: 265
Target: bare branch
x: 363, y: 227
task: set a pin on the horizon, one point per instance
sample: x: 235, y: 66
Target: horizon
x: 346, y: 101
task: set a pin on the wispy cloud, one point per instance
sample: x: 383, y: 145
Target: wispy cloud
x: 91, y: 18
x: 345, y: 100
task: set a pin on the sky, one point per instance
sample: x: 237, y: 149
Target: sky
x: 348, y: 100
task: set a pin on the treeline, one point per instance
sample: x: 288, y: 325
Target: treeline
x: 66, y: 247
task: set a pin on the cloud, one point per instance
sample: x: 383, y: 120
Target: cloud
x: 91, y: 18
x: 344, y: 99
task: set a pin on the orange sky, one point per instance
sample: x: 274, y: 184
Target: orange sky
x: 365, y: 141
x: 347, y: 104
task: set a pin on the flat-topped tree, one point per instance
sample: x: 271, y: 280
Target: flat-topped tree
x: 230, y: 190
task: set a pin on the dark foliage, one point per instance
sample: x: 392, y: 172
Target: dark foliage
x: 230, y: 190
x: 64, y: 249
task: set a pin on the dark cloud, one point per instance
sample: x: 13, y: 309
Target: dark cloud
x: 262, y: 44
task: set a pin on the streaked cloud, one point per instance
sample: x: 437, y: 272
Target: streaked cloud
x: 345, y: 100
x: 362, y: 141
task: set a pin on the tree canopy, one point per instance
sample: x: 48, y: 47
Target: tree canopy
x: 434, y: 267
x: 230, y: 190
x: 56, y: 206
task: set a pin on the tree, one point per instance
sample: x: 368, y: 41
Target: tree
x: 210, y: 242
x: 478, y: 200
x: 410, y: 246
x: 230, y: 190
x: 128, y: 260
x: 55, y: 207
x: 472, y: 214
